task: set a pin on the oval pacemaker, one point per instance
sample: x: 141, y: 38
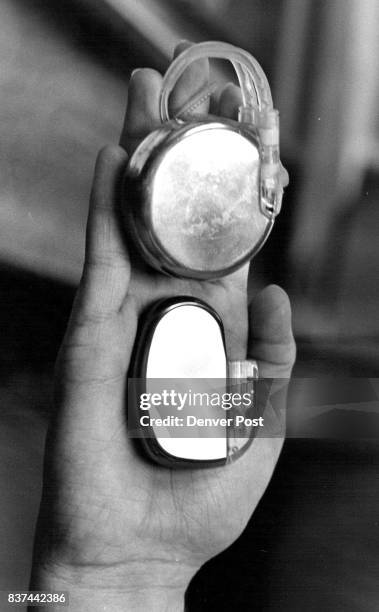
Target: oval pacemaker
x: 180, y: 350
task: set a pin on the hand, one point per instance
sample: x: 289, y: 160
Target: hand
x: 114, y: 529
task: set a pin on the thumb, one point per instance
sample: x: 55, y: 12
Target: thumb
x: 98, y: 340
x: 106, y: 271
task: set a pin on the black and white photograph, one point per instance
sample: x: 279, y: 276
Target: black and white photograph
x: 189, y: 305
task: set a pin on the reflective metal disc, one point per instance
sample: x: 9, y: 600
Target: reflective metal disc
x: 204, y: 206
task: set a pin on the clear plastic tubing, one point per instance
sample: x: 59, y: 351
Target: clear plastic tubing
x: 255, y: 90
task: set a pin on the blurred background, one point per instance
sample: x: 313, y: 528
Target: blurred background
x: 64, y: 77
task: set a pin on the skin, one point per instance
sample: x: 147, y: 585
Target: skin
x: 114, y: 530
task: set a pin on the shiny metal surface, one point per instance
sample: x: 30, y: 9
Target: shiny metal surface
x: 187, y: 346
x: 204, y: 206
x: 193, y: 200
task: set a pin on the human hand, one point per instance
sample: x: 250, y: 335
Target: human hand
x: 114, y: 530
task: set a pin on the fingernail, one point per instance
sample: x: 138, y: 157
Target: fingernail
x: 182, y: 43
x: 134, y: 72
x: 229, y: 85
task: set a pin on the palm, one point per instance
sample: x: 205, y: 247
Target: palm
x: 192, y: 514
x: 157, y: 498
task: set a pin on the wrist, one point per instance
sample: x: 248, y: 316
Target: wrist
x: 143, y: 585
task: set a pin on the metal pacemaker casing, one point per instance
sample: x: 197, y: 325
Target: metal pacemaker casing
x: 193, y: 199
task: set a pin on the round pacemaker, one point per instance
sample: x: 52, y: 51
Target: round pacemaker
x: 205, y: 199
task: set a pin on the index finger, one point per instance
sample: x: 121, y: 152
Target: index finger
x: 142, y: 110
